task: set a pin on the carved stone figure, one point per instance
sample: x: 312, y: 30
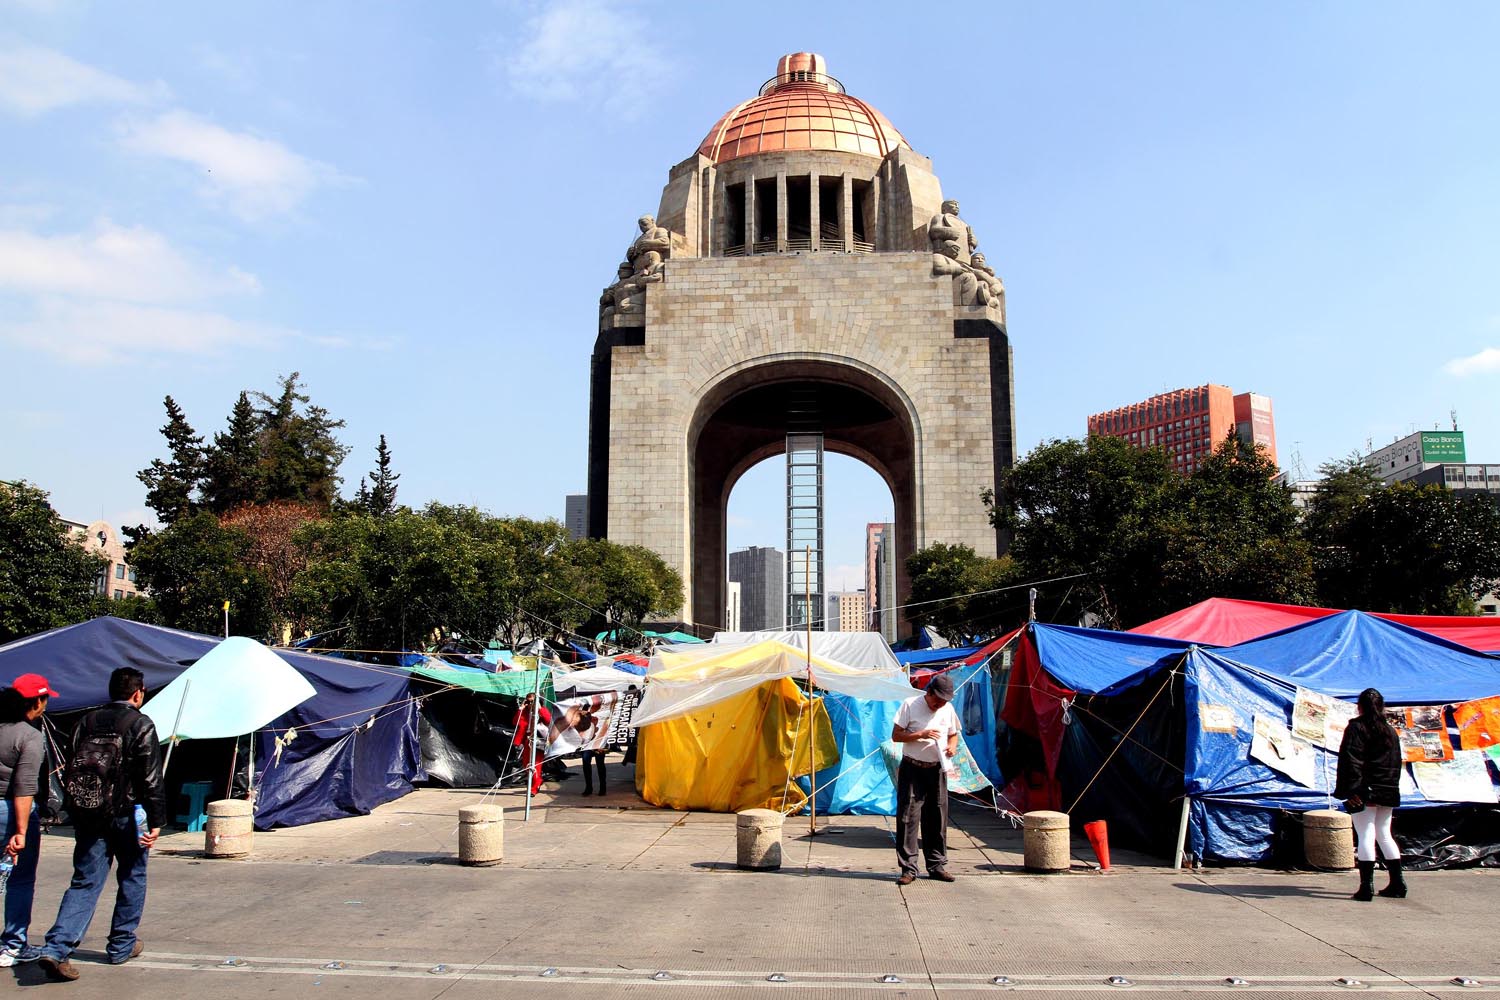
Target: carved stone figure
x: 609, y: 302
x: 650, y: 249
x: 945, y: 262
x: 945, y: 228
x: 991, y: 288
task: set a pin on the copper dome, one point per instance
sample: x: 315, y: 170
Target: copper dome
x: 801, y: 107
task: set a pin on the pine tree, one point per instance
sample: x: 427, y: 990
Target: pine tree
x: 380, y: 498
x: 172, y: 485
x: 299, y: 455
x: 233, y: 463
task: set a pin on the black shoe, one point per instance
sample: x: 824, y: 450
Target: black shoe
x: 1396, y: 889
x: 1366, y: 891
x: 941, y: 874
x: 59, y: 969
x: 587, y: 792
x: 907, y: 878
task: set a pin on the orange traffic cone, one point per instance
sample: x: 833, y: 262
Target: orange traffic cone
x: 1098, y: 835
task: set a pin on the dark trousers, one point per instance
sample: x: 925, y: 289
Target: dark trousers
x: 921, y: 798
x: 94, y: 850
x: 596, y: 757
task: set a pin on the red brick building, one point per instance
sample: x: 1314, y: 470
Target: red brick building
x: 1188, y: 423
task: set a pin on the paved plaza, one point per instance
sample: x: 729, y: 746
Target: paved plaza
x: 610, y: 893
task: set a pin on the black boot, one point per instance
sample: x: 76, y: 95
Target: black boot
x: 1366, y: 881
x: 1396, y: 889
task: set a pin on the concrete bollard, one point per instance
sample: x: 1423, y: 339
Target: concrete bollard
x: 1047, y: 846
x: 230, y: 830
x: 481, y: 835
x: 757, y: 839
x: 1328, y: 839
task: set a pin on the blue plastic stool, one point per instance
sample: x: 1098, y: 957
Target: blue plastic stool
x: 196, y: 793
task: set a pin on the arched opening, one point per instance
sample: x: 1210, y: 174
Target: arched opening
x: 855, y: 496
x: 743, y: 420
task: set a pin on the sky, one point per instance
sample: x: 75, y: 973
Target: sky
x: 416, y: 205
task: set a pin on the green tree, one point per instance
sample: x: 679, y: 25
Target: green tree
x: 232, y: 466
x: 172, y: 484
x: 299, y: 456
x: 47, y: 579
x: 197, y: 564
x: 378, y: 498
x: 618, y: 586
x: 952, y: 591
x: 1411, y: 549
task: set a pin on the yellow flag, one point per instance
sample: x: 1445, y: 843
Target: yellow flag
x: 226, y: 605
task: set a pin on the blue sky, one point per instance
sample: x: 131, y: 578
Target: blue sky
x: 415, y: 206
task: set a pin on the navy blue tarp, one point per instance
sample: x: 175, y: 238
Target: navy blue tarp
x: 339, y: 763
x: 1097, y: 661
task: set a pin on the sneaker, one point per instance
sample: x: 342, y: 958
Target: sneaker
x: 19, y: 956
x: 58, y: 968
x: 907, y: 878
x: 135, y: 951
x: 942, y: 875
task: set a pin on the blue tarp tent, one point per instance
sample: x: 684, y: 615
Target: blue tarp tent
x: 356, y: 742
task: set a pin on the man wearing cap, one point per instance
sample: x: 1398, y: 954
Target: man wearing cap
x: 23, y: 796
x: 927, y: 729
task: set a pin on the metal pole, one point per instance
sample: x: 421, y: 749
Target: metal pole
x: 1182, y: 826
x: 530, y: 743
x: 226, y: 619
x: 172, y: 740
x: 812, y: 749
x: 1031, y: 613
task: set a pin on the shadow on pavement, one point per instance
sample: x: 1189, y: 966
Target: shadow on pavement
x: 1263, y: 891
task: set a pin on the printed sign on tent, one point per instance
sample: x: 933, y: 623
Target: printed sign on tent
x: 1425, y: 745
x: 1478, y: 723
x: 1218, y: 719
x: 1465, y: 778
x: 580, y: 723
x: 1321, y: 719
x: 1274, y: 746
x: 964, y: 774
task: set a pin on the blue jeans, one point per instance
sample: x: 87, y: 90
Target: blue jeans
x: 94, y: 849
x: 21, y: 889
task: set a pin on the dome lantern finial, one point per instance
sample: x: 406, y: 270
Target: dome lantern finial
x: 802, y: 69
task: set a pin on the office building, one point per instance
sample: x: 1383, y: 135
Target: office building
x: 576, y: 515
x: 1189, y: 423
x: 880, y: 579
x: 760, y: 572
x: 732, y: 608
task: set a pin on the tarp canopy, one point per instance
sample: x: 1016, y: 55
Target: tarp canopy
x: 1096, y: 661
x: 1220, y: 621
x: 593, y: 679
x: 867, y: 650
x: 237, y: 687
x: 510, y: 683
x: 340, y: 762
x: 683, y: 679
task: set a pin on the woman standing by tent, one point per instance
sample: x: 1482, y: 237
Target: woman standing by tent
x: 23, y: 781
x: 1369, y: 782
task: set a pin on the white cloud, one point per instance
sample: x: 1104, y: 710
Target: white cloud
x: 1482, y: 363
x: 116, y: 332
x: 253, y: 176
x: 34, y: 80
x: 132, y: 264
x: 573, y: 50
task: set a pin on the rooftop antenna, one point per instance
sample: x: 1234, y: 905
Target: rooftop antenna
x: 1297, y: 471
x: 1453, y: 416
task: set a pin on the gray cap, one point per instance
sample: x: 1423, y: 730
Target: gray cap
x: 942, y: 686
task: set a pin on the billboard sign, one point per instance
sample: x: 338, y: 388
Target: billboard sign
x: 1443, y: 446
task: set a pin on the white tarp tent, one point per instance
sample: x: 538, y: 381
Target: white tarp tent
x: 683, y: 679
x: 592, y: 679
x: 868, y: 650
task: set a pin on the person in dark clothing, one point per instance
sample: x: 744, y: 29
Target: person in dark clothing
x: 112, y: 839
x: 589, y: 732
x: 1369, y: 782
x: 23, y: 801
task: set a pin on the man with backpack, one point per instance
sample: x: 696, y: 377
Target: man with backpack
x: 116, y: 766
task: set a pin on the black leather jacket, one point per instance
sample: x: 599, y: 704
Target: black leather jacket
x: 1370, y: 763
x: 142, y: 756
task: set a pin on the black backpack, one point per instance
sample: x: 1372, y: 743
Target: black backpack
x: 94, y: 782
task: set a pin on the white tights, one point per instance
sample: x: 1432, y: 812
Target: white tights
x: 1372, y: 825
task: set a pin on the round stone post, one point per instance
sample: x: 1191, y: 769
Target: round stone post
x: 1047, y: 847
x: 481, y: 835
x: 1328, y: 839
x: 757, y: 839
x: 230, y: 830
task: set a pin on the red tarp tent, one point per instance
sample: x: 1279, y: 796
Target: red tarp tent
x: 1220, y: 621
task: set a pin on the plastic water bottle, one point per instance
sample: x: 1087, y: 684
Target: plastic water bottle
x: 142, y: 828
x: 7, y: 865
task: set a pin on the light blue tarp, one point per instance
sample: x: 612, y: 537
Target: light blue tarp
x: 1096, y: 661
x: 859, y: 784
x: 1233, y: 796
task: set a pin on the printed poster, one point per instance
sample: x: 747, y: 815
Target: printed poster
x: 1218, y: 719
x: 1465, y: 778
x: 1340, y: 714
x: 580, y: 723
x: 963, y: 776
x: 1426, y: 717
x: 1478, y: 723
x: 1424, y: 746
x: 1274, y: 746
x: 1309, y: 715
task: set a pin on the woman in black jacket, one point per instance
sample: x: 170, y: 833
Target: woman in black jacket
x: 1369, y: 782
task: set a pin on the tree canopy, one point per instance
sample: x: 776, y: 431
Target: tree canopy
x: 47, y: 579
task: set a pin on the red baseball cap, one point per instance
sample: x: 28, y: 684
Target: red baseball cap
x: 32, y: 685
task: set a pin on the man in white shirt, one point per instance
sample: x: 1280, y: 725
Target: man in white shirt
x: 927, y: 729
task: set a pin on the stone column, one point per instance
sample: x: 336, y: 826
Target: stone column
x: 814, y: 209
x: 846, y: 216
x: 781, y: 211
x: 750, y: 215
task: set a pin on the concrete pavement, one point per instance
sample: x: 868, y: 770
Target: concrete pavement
x: 608, y: 893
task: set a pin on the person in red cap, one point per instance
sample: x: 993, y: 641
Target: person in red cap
x: 927, y: 729
x: 23, y: 794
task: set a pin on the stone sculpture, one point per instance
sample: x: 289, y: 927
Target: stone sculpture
x: 991, y: 288
x: 947, y: 227
x: 643, y: 265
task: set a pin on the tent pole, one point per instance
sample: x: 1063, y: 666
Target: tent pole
x: 250, y: 770
x: 536, y: 705
x: 187, y: 684
x: 234, y: 760
x: 1182, y: 826
x: 812, y: 715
